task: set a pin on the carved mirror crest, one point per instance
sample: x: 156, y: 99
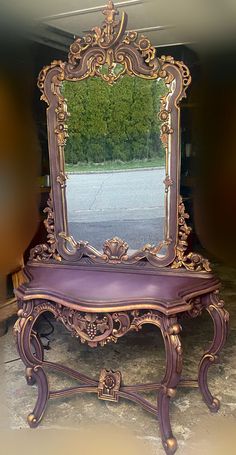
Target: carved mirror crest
x: 106, y: 68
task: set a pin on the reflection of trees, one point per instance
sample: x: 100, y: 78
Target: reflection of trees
x: 118, y: 122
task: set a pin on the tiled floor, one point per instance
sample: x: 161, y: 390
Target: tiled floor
x: 140, y: 357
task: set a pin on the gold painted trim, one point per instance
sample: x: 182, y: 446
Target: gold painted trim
x: 111, y: 44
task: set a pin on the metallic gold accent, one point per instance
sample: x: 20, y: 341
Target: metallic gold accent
x: 175, y: 329
x: 144, y: 304
x: 183, y: 69
x: 110, y: 45
x: 109, y: 385
x: 116, y: 250
x: 17, y: 326
x: 171, y: 393
x: 47, y: 251
x: 28, y: 373
x: 62, y: 128
x: 191, y: 383
x: 31, y: 419
x: 215, y: 403
x: 61, y: 178
x: 170, y: 445
x: 191, y: 261
x: 92, y: 328
x: 168, y: 181
x: 166, y: 129
x: 42, y: 76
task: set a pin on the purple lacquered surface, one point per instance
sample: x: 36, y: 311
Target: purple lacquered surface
x: 96, y: 285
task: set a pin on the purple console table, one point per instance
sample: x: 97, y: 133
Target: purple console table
x: 100, y: 295
x: 100, y: 306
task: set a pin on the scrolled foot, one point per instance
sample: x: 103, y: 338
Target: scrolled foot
x: 170, y: 446
x: 215, y: 405
x: 38, y: 374
x: 215, y: 307
x: 32, y: 420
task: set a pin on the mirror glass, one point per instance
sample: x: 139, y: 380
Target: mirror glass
x: 114, y: 159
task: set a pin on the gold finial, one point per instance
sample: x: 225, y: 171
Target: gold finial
x: 110, y: 12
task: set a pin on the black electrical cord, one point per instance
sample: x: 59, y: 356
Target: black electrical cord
x: 47, y: 334
x: 41, y: 335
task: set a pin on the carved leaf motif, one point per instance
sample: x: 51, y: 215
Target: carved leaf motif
x: 107, y: 45
x: 47, y: 251
x: 191, y: 261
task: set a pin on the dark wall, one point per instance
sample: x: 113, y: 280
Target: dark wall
x: 208, y: 119
x: 42, y: 55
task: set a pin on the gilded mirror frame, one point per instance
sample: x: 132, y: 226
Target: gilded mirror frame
x: 109, y: 45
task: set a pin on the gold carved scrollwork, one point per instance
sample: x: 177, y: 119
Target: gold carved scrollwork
x: 43, y: 74
x: 47, y: 251
x: 164, y: 116
x: 183, y: 69
x: 95, y: 328
x: 190, y: 261
x: 110, y: 45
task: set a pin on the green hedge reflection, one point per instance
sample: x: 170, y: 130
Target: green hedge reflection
x: 113, y: 123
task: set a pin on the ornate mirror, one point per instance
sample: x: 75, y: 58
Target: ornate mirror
x: 113, y: 103
x: 113, y: 109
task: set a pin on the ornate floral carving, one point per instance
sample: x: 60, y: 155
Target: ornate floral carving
x: 47, y: 251
x: 95, y: 328
x: 43, y: 74
x: 191, y: 261
x: 108, y: 46
x: 164, y: 116
x: 62, y: 129
x: 184, y: 71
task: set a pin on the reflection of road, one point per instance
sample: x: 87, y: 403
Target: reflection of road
x: 128, y: 204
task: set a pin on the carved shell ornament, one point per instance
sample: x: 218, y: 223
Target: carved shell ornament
x: 108, y: 45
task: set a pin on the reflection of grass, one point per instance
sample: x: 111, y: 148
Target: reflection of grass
x: 114, y: 165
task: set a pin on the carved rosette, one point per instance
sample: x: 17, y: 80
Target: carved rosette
x: 190, y: 261
x: 164, y: 116
x: 109, y: 385
x: 62, y: 128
